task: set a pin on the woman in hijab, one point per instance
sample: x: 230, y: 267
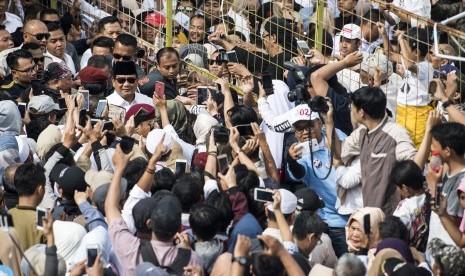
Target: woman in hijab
x: 68, y: 237
x: 362, y: 228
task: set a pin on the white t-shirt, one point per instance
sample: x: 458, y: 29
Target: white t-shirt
x: 408, y: 211
x: 414, y: 90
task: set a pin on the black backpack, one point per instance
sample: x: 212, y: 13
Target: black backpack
x: 175, y: 268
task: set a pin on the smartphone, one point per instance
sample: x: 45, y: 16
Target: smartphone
x: 245, y: 130
x: 221, y: 135
x: 6, y: 220
x: 126, y: 143
x: 40, y: 213
x: 202, y: 95
x: 108, y: 125
x: 437, y: 198
x: 160, y: 89
x: 305, y: 146
x: 62, y: 103
x: 232, y: 56
x: 92, y: 253
x: 22, y: 109
x: 303, y: 47
x: 82, y: 117
x: 267, y: 82
x: 102, y: 104
x: 140, y: 117
x: 93, y: 122
x: 218, y: 88
x: 263, y: 195
x: 223, y: 165
x: 85, y: 93
x: 181, y: 165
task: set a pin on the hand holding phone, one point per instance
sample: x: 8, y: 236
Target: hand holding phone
x: 102, y: 104
x: 40, y: 213
x: 245, y: 130
x: 160, y: 89
x: 232, y: 56
x: 126, y: 144
x: 85, y: 94
x: 263, y: 195
x: 92, y: 254
x: 223, y: 165
x: 22, y: 109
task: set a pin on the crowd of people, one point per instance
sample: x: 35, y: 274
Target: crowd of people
x: 244, y: 149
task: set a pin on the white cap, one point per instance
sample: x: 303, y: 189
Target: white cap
x: 43, y: 104
x: 288, y: 202
x: 377, y: 60
x: 302, y: 113
x: 351, y: 31
x: 154, y: 138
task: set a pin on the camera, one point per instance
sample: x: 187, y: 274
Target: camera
x: 318, y: 104
x: 299, y: 93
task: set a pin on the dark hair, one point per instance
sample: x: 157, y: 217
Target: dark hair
x: 246, y: 180
x: 28, y: 177
x: 45, y: 12
x: 166, y: 50
x: 407, y: 173
x: 30, y: 46
x: 123, y: 9
x: 31, y: 12
x: 95, y: 89
x: 126, y: 40
x: 372, y: 100
x: 107, y: 20
x: 239, y: 34
x: 104, y: 42
x: 393, y: 227
x: 327, y: 47
x: 13, y: 57
x: 68, y: 159
x: 227, y: 20
x: 197, y: 16
x: 36, y: 126
x: 450, y: 135
x: 372, y: 16
x: 306, y: 223
x: 9, y: 178
x: 2, y: 27
x: 282, y: 29
x: 204, y: 221
x: 418, y: 39
x: 134, y: 171
x: 99, y: 61
x: 265, y: 265
x: 242, y: 115
x: 54, y: 27
x: 220, y: 201
x: 187, y: 190
x: 164, y: 180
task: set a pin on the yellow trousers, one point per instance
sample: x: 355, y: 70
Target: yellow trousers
x: 414, y: 119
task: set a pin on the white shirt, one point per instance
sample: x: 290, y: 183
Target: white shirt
x: 85, y: 58
x: 68, y: 61
x: 414, y: 90
x: 187, y: 149
x: 116, y: 99
x: 240, y: 24
x: 349, y: 79
x: 87, y: 8
x: 135, y: 196
x: 12, y: 22
x: 408, y: 210
x: 419, y: 7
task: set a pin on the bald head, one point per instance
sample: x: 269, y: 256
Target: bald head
x: 35, y: 31
x: 9, y: 177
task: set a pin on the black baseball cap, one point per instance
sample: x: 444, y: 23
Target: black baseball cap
x: 308, y: 200
x: 166, y: 216
x: 69, y: 178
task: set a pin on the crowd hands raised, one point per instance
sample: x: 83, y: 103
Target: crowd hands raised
x: 122, y: 159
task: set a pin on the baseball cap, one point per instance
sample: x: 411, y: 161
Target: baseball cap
x: 302, y: 113
x: 154, y: 138
x: 92, y: 75
x: 96, y: 179
x: 42, y: 104
x: 351, y: 31
x: 100, y: 194
x: 149, y: 269
x: 380, y: 61
x: 444, y: 70
x: 308, y: 200
x: 142, y: 211
x: 155, y: 19
x: 288, y: 202
x: 56, y: 70
x: 69, y: 178
x: 451, y: 257
x: 166, y: 217
x: 136, y: 108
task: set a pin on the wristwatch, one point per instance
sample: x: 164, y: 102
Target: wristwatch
x: 447, y: 103
x: 241, y: 260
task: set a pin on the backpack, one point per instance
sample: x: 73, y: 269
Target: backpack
x: 175, y: 268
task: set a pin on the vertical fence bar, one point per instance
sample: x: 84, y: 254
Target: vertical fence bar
x: 169, y: 23
x: 320, y: 5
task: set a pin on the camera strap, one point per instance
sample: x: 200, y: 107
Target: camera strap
x: 330, y: 150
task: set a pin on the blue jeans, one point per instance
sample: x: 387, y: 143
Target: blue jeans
x: 338, y: 240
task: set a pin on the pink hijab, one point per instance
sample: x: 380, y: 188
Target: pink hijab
x: 461, y: 189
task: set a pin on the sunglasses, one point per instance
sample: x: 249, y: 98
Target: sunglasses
x: 48, y: 22
x: 40, y: 36
x: 37, y: 60
x: 119, y: 57
x: 218, y: 62
x: 130, y: 80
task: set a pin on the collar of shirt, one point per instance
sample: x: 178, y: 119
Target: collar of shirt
x: 116, y: 99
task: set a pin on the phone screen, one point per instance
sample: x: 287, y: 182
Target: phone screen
x: 160, y: 89
x: 82, y: 117
x: 62, y: 103
x: 102, y: 104
x: 40, y: 214
x: 22, y: 109
x: 107, y: 125
x: 180, y: 167
x: 92, y: 254
x: 267, y: 84
x: 126, y: 144
x: 303, y: 47
x: 232, y: 56
x: 263, y: 195
x: 223, y: 164
x: 85, y: 93
x: 245, y: 130
x: 202, y: 95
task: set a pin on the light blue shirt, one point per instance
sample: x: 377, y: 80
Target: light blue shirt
x: 326, y: 189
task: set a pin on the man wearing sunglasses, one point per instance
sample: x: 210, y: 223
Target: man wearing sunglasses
x: 37, y: 56
x: 125, y: 84
x: 34, y: 31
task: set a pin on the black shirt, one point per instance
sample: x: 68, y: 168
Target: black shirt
x: 341, y: 105
x: 147, y: 85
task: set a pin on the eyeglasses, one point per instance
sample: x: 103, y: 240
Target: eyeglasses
x: 119, y: 57
x: 130, y: 80
x: 217, y: 62
x: 29, y: 71
x: 307, y: 126
x: 40, y: 36
x: 37, y: 60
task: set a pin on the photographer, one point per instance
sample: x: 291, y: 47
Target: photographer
x: 310, y: 163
